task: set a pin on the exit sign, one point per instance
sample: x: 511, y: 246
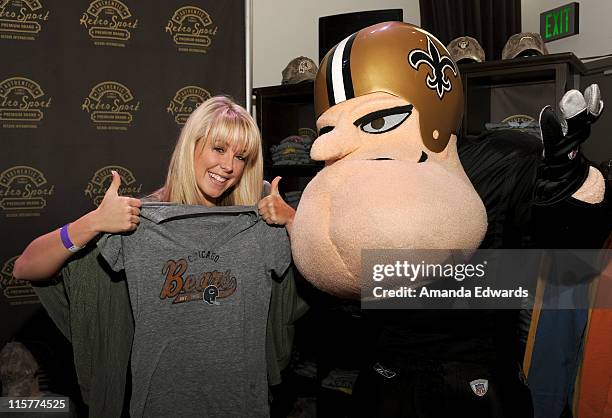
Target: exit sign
x: 559, y: 23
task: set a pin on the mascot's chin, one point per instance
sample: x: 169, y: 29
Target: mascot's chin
x: 364, y: 204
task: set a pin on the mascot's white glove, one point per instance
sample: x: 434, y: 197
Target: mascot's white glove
x: 565, y: 168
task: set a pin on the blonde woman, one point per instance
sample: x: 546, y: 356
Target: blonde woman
x: 197, y: 258
x: 217, y: 161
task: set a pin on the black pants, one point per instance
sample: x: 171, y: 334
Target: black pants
x: 425, y: 389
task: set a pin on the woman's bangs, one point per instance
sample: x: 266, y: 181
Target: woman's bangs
x: 235, y: 136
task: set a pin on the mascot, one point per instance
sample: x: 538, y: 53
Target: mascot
x: 393, y: 178
x: 389, y: 104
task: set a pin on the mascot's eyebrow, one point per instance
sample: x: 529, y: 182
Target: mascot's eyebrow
x: 325, y: 130
x: 365, y: 119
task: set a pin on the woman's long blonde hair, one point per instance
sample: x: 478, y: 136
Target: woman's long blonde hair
x: 221, y: 120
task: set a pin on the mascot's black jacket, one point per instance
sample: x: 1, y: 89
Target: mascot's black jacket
x: 444, y: 348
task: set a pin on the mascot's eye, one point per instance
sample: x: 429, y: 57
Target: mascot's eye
x: 385, y: 124
x: 377, y: 124
x: 384, y: 120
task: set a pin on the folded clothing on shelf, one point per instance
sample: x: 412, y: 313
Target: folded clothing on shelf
x: 293, y: 150
x: 521, y: 123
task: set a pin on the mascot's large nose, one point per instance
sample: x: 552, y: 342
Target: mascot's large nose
x: 332, y: 145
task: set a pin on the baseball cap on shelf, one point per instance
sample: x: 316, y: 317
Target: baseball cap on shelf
x: 299, y: 69
x: 310, y: 133
x: 466, y: 49
x: 524, y: 44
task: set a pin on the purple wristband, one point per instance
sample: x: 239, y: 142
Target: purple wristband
x: 66, y: 240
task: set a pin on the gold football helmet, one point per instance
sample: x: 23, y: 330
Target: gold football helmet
x: 402, y: 60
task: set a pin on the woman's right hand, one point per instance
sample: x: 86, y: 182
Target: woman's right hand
x: 46, y: 255
x: 116, y: 213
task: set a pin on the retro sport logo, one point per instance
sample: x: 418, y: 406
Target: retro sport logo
x: 109, y: 23
x: 17, y: 292
x: 111, y: 106
x: 185, y: 101
x: 23, y: 191
x: 22, y: 103
x: 22, y: 20
x: 192, y: 29
x: 102, y: 178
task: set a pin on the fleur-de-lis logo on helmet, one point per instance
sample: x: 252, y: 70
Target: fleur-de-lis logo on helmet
x: 437, y: 79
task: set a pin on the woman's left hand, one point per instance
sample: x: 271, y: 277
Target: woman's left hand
x: 274, y: 210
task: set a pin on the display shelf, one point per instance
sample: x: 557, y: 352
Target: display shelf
x: 283, y: 111
x: 599, y: 146
x: 495, y: 90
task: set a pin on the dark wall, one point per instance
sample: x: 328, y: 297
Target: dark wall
x: 490, y: 22
x: 89, y: 86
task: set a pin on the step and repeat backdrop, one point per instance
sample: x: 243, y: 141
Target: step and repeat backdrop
x: 87, y: 87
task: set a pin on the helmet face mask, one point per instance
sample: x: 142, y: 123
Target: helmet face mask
x: 402, y: 60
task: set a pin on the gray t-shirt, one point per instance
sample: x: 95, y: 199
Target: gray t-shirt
x: 199, y: 284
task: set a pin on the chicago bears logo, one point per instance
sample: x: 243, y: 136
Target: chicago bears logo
x: 210, y: 295
x: 437, y: 79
